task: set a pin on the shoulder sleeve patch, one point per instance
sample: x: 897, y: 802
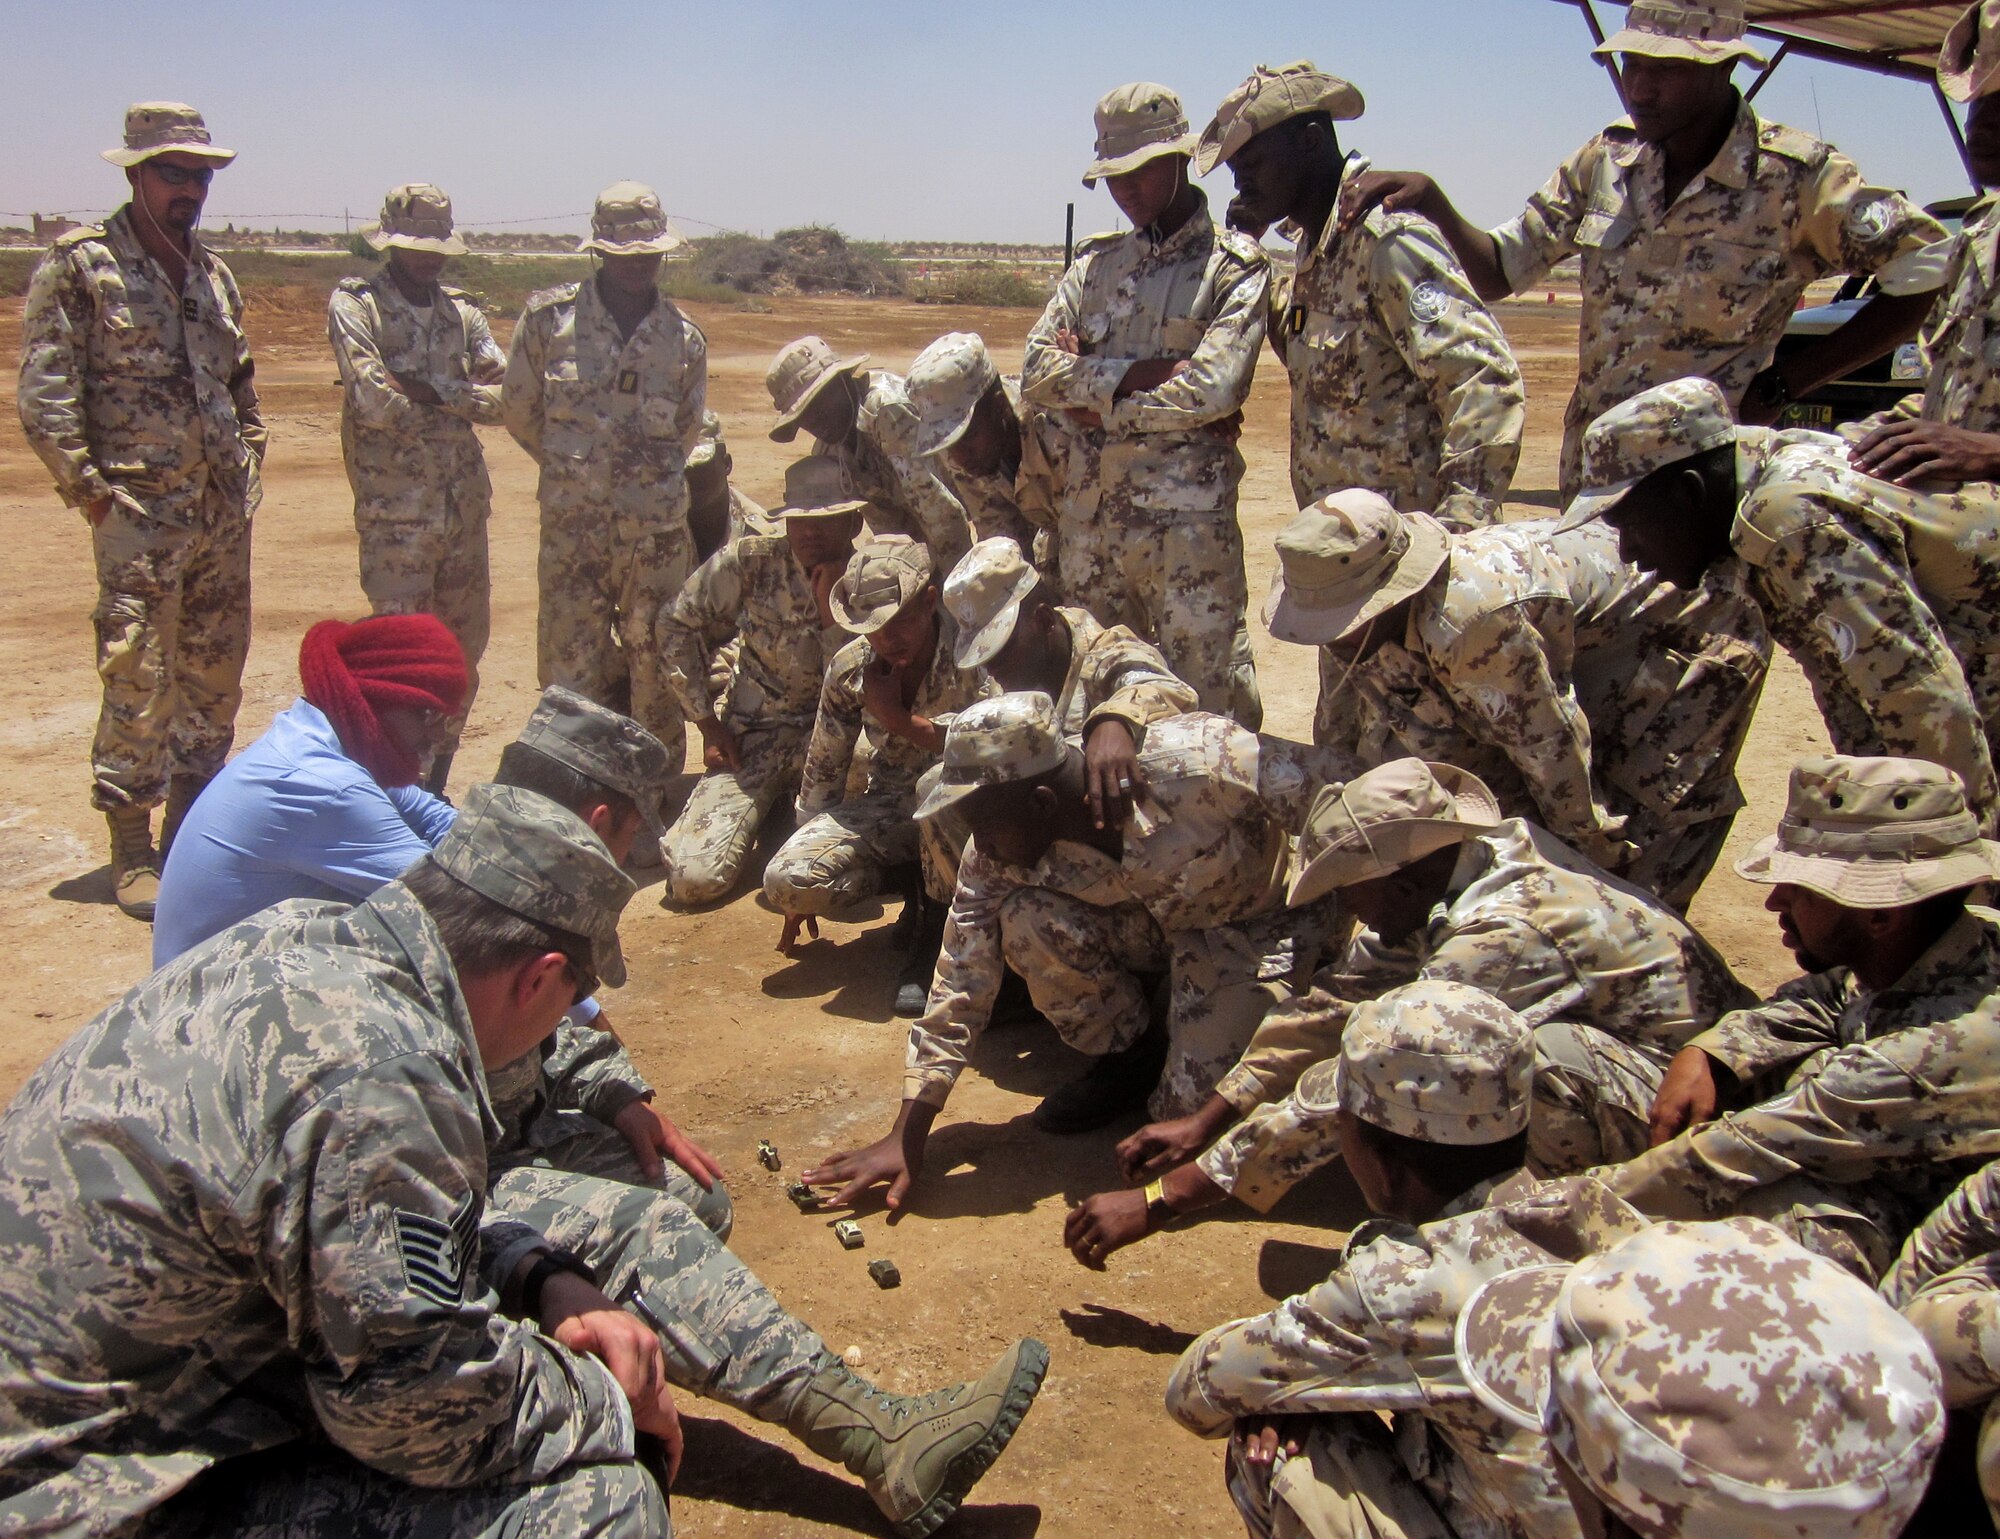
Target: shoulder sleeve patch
x: 437, y: 1257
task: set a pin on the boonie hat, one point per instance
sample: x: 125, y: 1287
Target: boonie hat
x: 1443, y: 1062
x: 1714, y: 1381
x: 1385, y: 819
x: 1874, y: 833
x: 540, y: 860
x: 818, y: 486
x: 594, y: 740
x: 1654, y: 429
x: 1268, y: 98
x: 1683, y: 29
x: 417, y: 217
x: 1137, y: 123
x: 798, y: 374
x: 1344, y: 560
x: 628, y: 220
x: 996, y: 742
x: 1969, y: 62
x: 983, y: 594
x: 884, y: 573
x: 155, y: 128
x: 945, y: 385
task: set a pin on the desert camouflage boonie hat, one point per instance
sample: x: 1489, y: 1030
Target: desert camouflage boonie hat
x: 798, y: 374
x: 1346, y: 559
x: 819, y: 486
x: 1683, y: 29
x: 1874, y: 833
x: 1137, y: 123
x: 629, y: 220
x: 1386, y: 819
x: 594, y: 740
x: 417, y: 217
x: 160, y: 128
x: 1714, y: 1381
x: 884, y: 573
x: 1654, y: 429
x: 996, y: 742
x: 534, y: 857
x: 1969, y: 62
x: 945, y: 385
x: 1443, y: 1062
x: 1268, y: 98
x: 984, y: 593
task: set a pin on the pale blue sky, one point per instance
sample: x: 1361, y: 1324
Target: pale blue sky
x: 896, y: 120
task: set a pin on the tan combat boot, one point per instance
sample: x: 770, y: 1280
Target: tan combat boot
x: 919, y: 1455
x: 135, y: 864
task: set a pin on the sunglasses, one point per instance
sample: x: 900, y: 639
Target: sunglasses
x: 583, y: 979
x: 182, y: 176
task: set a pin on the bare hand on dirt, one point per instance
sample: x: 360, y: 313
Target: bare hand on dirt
x: 788, y: 938
x: 653, y: 1135
x: 885, y: 1162
x: 1111, y: 771
x: 1911, y: 452
x: 1108, y: 1222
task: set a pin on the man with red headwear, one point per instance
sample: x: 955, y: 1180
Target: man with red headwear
x: 326, y: 803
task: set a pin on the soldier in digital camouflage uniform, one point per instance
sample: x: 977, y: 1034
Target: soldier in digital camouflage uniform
x: 1433, y: 1080
x: 1699, y: 224
x: 764, y: 592
x: 137, y: 390
x: 605, y: 390
x: 1600, y: 701
x: 1402, y: 381
x: 1854, y: 1098
x: 1889, y: 599
x: 418, y: 369
x: 1149, y: 346
x: 1611, y: 982
x: 860, y: 418
x: 1175, y: 911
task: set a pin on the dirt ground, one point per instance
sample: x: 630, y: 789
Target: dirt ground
x: 743, y: 1043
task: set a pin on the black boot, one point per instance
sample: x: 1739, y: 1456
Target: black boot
x: 440, y: 773
x: 913, y: 983
x: 1109, y: 1088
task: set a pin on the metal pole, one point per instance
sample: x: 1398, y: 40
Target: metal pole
x: 1957, y: 134
x: 1069, y: 237
x: 1769, y: 70
x: 1608, y: 61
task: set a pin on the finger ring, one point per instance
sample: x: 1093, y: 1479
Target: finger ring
x: 1124, y: 784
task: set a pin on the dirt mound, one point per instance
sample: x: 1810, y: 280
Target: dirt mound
x: 810, y: 260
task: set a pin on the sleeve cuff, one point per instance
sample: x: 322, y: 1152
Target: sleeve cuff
x: 1920, y: 270
x: 1241, y: 1089
x: 932, y: 1087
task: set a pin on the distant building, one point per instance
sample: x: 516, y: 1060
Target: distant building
x: 48, y: 229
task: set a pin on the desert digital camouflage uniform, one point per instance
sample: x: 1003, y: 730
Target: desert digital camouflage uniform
x: 611, y: 422
x: 421, y: 493
x: 1612, y: 982
x: 905, y: 492
x: 1023, y: 504
x: 1198, y: 895
x: 1146, y: 529
x: 1960, y: 343
x: 1402, y: 381
x: 132, y: 390
x: 1704, y: 287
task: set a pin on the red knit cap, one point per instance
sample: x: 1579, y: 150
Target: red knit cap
x: 355, y: 672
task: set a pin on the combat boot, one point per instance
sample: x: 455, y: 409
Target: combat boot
x: 1110, y: 1087
x: 919, y: 1455
x: 913, y: 983
x: 135, y: 864
x: 182, y: 790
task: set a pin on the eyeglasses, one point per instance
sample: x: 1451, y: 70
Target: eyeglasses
x: 585, y: 981
x: 182, y: 176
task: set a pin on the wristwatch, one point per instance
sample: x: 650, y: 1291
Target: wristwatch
x: 547, y: 1265
x: 1159, y: 1212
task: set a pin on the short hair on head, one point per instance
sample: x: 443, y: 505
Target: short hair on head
x: 568, y: 787
x: 1446, y: 1168
x: 480, y: 936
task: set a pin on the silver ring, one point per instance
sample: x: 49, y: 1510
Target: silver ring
x: 1124, y: 784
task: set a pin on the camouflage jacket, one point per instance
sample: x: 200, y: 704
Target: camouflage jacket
x: 1114, y: 673
x: 1960, y: 345
x: 1207, y: 843
x: 245, y: 1205
x: 1704, y: 286
x: 131, y: 388
x: 581, y: 1078
x: 903, y: 489
x: 1015, y: 501
x: 1166, y: 455
x: 1377, y: 1337
x: 376, y: 333
x: 1402, y: 381
x: 1947, y: 1281
x: 1526, y: 920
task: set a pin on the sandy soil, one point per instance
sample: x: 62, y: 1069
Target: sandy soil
x: 745, y: 1044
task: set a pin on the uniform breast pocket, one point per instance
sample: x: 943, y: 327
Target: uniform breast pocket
x: 129, y: 347
x: 1604, y: 230
x: 565, y: 397
x: 659, y: 417
x: 1722, y: 283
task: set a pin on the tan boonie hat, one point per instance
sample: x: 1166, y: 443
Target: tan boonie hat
x: 594, y: 740
x: 945, y: 385
x: 1443, y: 1062
x: 1137, y: 123
x: 883, y: 575
x: 156, y: 128
x: 798, y: 374
x: 1969, y: 62
x: 1714, y: 1381
x: 1683, y: 29
x: 1654, y: 429
x: 1874, y: 833
x: 417, y: 217
x: 1344, y: 560
x: 996, y: 742
x: 818, y: 486
x: 1384, y: 820
x: 984, y: 593
x: 1268, y: 98
x: 541, y: 861
x: 630, y: 221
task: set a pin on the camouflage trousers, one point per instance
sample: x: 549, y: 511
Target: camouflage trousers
x: 173, y: 628
x: 602, y: 595
x: 710, y: 841
x: 1347, y: 1481
x: 574, y: 1142
x: 1180, y: 586
x: 839, y: 858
